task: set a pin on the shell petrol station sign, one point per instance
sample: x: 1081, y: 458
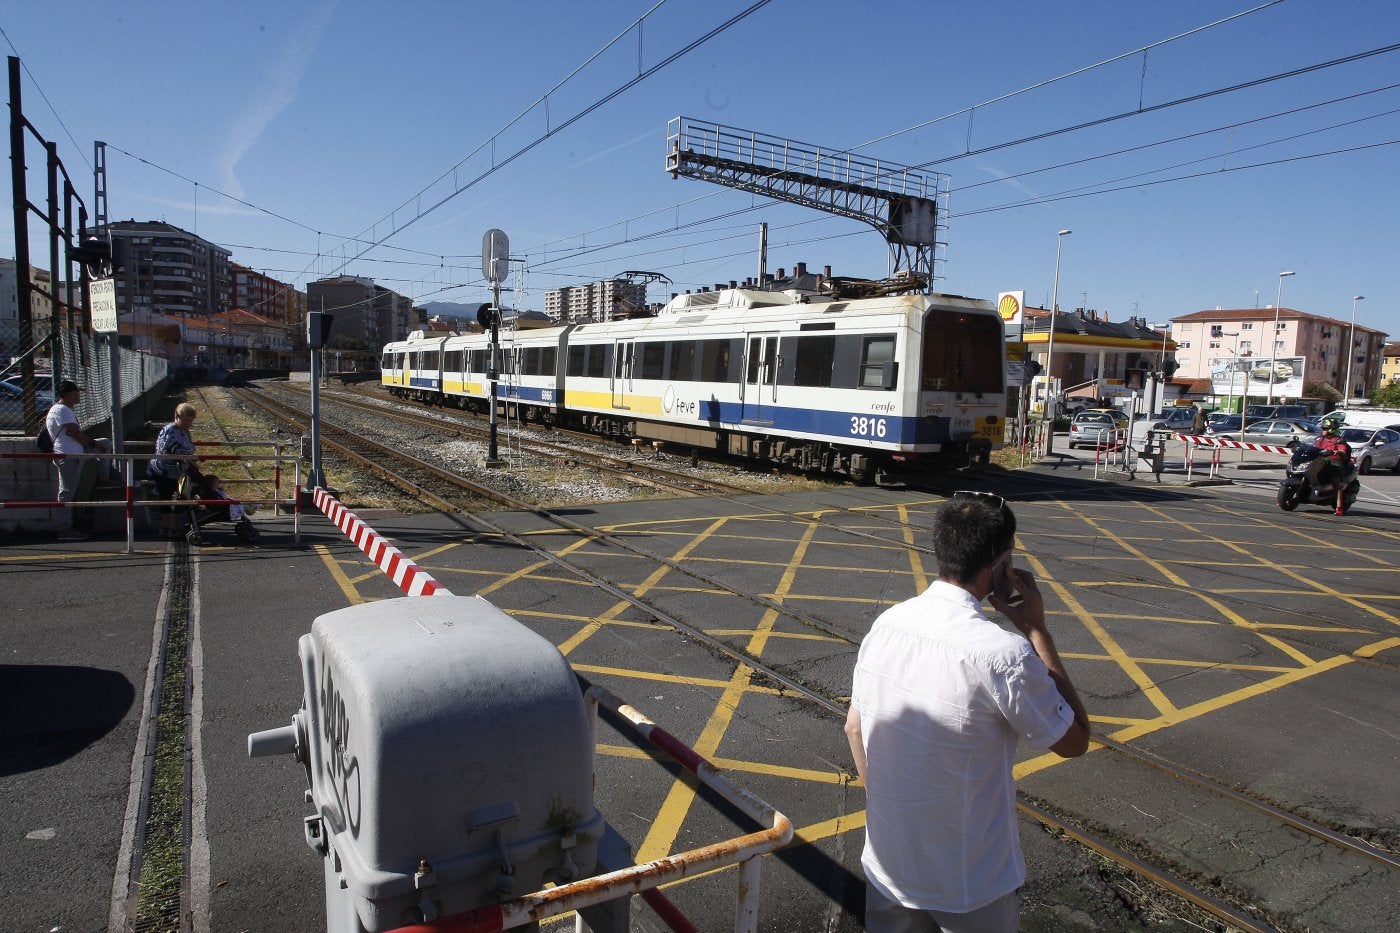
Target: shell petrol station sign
x: 1011, y: 309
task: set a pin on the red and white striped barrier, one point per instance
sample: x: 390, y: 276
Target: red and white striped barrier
x: 1206, y: 440
x: 407, y: 575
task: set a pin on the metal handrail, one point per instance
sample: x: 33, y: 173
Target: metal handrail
x: 744, y: 851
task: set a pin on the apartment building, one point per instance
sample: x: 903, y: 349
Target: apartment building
x: 1390, y: 365
x: 606, y: 300
x: 166, y: 270
x: 367, y: 316
x: 268, y: 297
x: 1296, y: 347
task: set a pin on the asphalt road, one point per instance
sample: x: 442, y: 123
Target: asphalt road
x: 1201, y: 622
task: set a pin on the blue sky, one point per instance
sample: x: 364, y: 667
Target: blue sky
x: 348, y: 119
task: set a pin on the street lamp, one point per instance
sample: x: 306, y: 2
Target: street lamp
x: 1273, y: 345
x: 1048, y: 413
x: 1351, y: 349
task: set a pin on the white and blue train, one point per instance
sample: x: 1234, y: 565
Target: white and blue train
x: 869, y: 387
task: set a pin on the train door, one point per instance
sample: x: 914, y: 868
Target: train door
x: 622, y: 372
x: 760, y: 377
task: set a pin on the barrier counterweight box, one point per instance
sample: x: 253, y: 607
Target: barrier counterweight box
x: 450, y: 759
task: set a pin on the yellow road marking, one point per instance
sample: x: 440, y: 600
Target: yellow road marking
x: 662, y: 835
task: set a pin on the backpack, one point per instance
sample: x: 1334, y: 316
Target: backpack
x: 44, y: 442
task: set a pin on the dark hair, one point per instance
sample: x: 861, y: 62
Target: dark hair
x: 68, y: 385
x: 969, y: 534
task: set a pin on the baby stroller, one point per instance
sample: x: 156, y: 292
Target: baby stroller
x: 207, y: 486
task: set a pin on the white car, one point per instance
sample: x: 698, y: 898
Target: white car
x: 1374, y: 449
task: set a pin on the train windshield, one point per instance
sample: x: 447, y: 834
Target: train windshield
x: 962, y: 353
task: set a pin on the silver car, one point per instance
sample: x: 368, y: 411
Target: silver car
x: 1374, y: 449
x: 1280, y: 432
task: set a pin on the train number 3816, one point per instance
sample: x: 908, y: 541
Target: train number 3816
x: 865, y: 426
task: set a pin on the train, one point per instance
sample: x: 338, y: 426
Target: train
x: 870, y: 388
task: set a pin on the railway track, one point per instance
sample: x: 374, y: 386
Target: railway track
x: 1209, y: 901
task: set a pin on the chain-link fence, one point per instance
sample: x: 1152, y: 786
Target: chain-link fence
x: 86, y: 360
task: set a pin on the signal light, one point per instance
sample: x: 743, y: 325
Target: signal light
x: 487, y: 316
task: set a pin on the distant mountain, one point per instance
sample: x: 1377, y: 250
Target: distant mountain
x: 451, y: 308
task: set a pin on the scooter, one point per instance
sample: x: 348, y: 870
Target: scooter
x: 1302, y: 485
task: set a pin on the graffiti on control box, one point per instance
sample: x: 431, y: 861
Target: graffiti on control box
x: 342, y: 769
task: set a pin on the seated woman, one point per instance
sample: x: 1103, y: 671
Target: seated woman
x: 174, y: 440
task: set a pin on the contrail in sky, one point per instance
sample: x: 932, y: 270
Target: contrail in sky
x: 279, y: 90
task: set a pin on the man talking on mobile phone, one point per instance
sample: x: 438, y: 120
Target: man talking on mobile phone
x: 939, y: 698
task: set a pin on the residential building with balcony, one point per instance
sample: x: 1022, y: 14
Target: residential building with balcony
x: 367, y: 316
x: 1390, y: 365
x: 1207, y: 340
x: 605, y: 300
x: 268, y: 297
x: 166, y: 270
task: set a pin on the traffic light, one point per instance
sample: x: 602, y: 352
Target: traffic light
x: 487, y: 315
x: 93, y: 252
x: 1169, y: 368
x: 318, y: 328
x: 1033, y: 368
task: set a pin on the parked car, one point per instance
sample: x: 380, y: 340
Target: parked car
x: 1179, y: 420
x: 1098, y: 426
x: 1374, y: 449
x: 1259, y: 412
x: 1216, y: 420
x: 12, y: 404
x: 1281, y: 432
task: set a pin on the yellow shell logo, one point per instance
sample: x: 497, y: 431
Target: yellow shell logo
x: 1009, y: 307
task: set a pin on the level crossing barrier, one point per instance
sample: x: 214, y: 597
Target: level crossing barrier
x: 744, y: 851
x: 1217, y: 445
x: 128, y: 464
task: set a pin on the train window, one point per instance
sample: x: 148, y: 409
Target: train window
x: 962, y: 353
x: 548, y: 356
x: 715, y: 357
x: 387, y: 361
x: 597, y: 362
x: 430, y: 360
x: 530, y: 361
x: 877, y: 359
x: 577, y: 357
x: 682, y: 361
x: 652, y: 358
x: 815, y: 357
x: 478, y: 361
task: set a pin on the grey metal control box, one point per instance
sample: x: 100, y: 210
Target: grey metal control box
x: 450, y: 759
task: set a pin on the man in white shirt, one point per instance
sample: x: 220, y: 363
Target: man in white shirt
x: 939, y: 698
x: 68, y: 438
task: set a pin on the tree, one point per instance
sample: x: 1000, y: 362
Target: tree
x: 1323, y: 390
x: 1387, y: 396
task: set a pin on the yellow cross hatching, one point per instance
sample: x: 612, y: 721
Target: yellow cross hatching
x: 1127, y: 556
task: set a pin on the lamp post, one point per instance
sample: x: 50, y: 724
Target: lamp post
x: 1351, y: 350
x: 1048, y: 413
x: 1273, y: 345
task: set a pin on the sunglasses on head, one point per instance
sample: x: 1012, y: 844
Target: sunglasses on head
x: 991, y: 498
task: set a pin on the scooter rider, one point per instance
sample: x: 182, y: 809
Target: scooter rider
x: 1338, y: 454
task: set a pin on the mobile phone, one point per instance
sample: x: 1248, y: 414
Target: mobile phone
x: 1002, y: 585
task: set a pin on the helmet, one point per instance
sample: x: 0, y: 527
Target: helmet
x: 1330, y: 425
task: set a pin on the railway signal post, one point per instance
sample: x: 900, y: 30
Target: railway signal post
x: 495, y: 266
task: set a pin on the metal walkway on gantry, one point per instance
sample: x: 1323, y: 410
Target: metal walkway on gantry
x: 907, y: 206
